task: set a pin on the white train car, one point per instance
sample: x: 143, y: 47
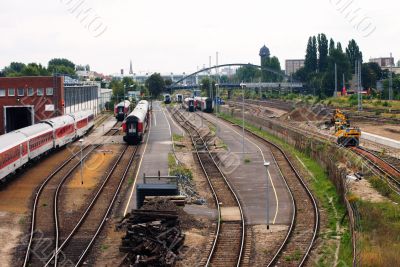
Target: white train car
x: 63, y: 130
x: 135, y: 124
x: 40, y: 139
x: 84, y: 121
x: 13, y: 153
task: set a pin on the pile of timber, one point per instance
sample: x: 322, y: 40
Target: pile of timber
x: 153, y: 235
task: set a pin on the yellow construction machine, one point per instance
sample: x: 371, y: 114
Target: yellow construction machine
x: 345, y: 133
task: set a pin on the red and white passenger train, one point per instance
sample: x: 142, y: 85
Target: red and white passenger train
x: 21, y: 146
x: 122, y: 110
x: 135, y: 123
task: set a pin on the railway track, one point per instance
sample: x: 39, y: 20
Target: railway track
x: 304, y: 226
x: 75, y: 243
x: 229, y: 239
x: 115, y: 129
x: 385, y: 170
x: 41, y: 239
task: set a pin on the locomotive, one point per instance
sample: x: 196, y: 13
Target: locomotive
x: 167, y: 99
x: 135, y: 123
x: 19, y: 147
x: 122, y: 110
x: 204, y: 104
x: 189, y: 104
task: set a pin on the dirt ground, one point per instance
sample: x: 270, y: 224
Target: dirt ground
x: 386, y: 130
x: 15, y: 201
x: 95, y: 167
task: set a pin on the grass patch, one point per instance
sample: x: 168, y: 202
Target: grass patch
x: 21, y: 220
x: 383, y: 188
x: 176, y: 169
x: 379, y: 233
x: 177, y: 137
x: 104, y: 247
x: 247, y: 160
x: 324, y: 190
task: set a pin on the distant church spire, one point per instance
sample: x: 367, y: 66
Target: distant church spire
x: 130, y: 69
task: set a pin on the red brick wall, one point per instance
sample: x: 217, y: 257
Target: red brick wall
x: 39, y: 102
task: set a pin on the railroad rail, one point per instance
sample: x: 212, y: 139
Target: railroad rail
x: 228, y: 244
x: 76, y: 244
x: 304, y: 226
x: 385, y: 170
x: 41, y: 239
x: 115, y: 129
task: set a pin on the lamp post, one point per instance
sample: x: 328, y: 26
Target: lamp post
x: 267, y: 164
x: 243, y: 86
x: 217, y: 98
x: 81, y: 143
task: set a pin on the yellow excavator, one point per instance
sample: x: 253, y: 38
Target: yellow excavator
x: 345, y: 133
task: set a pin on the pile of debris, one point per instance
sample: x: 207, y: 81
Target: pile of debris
x: 153, y: 235
x: 188, y: 189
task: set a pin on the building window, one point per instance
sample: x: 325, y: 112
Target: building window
x: 2, y: 92
x: 40, y: 91
x: 21, y: 91
x: 49, y: 91
x: 11, y: 92
x: 31, y: 92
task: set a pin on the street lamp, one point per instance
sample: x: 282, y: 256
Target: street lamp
x: 81, y: 143
x: 267, y: 164
x: 243, y: 86
x: 217, y: 98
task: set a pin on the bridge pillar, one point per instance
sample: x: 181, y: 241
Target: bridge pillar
x: 229, y: 94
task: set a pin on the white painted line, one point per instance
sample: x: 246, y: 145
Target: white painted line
x: 270, y: 178
x: 155, y: 118
x: 137, y: 173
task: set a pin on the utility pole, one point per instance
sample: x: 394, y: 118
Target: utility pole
x: 336, y: 87
x: 390, y: 79
x: 344, y: 83
x: 360, y: 108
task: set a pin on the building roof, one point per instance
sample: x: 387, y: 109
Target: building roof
x: 264, y: 52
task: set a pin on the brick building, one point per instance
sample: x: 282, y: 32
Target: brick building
x: 28, y: 100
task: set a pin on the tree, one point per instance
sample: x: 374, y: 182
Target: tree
x: 247, y: 74
x: 370, y: 74
x: 168, y: 82
x: 322, y: 52
x: 14, y: 69
x: 155, y: 83
x: 343, y: 67
x: 339, y: 47
x: 61, y: 65
x: 311, y: 61
x: 118, y: 89
x: 331, y: 46
x: 33, y: 69
x: 353, y: 53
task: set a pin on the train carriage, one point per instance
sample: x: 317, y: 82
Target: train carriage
x: 84, y: 121
x: 63, y: 130
x: 40, y: 139
x: 179, y: 98
x: 167, y: 99
x: 189, y: 104
x: 135, y: 123
x: 13, y: 153
x: 122, y: 110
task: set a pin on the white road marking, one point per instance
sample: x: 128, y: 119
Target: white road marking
x: 137, y: 173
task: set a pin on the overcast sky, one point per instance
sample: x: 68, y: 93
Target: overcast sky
x: 177, y: 35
